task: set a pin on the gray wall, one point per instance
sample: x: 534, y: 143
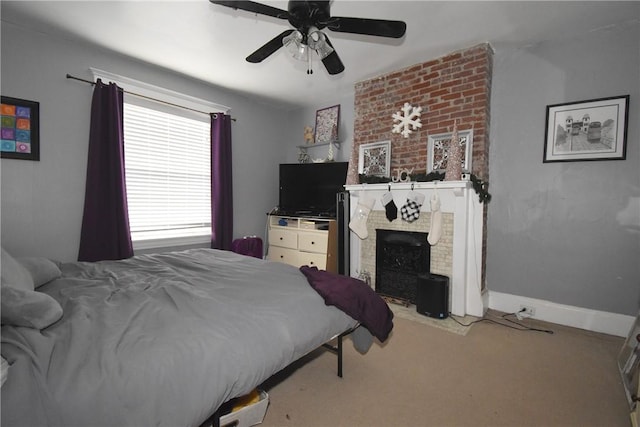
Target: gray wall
x: 564, y: 232
x: 42, y: 201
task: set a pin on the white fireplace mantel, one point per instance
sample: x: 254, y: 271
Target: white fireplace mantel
x: 457, y: 198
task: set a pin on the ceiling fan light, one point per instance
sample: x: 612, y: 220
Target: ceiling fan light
x: 324, y: 50
x: 294, y: 38
x: 294, y: 43
x: 300, y: 52
x: 318, y: 42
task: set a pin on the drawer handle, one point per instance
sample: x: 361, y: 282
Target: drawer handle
x: 313, y: 243
x: 281, y: 238
x: 281, y: 256
x: 311, y: 263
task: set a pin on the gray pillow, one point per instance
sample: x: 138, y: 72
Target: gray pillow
x: 42, y: 270
x: 19, y: 307
x: 13, y: 273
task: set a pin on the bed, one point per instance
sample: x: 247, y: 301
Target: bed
x: 158, y: 339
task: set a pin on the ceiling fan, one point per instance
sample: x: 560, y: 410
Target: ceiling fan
x: 307, y: 19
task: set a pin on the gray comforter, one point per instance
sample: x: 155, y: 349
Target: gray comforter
x: 161, y: 340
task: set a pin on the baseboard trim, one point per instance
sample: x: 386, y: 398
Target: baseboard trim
x: 577, y: 317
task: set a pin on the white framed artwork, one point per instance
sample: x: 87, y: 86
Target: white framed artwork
x: 375, y: 159
x: 438, y: 150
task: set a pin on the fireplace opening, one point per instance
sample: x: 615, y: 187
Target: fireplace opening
x: 401, y: 256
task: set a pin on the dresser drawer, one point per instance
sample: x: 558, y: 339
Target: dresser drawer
x: 287, y: 256
x: 312, y: 260
x: 283, y: 238
x: 313, y: 242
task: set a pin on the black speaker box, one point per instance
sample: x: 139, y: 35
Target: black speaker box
x: 433, y: 295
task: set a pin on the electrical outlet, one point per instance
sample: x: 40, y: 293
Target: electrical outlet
x: 526, y: 311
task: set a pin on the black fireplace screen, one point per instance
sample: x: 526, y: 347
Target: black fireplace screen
x: 400, y: 257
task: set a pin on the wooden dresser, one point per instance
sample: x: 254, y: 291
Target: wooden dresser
x: 302, y: 241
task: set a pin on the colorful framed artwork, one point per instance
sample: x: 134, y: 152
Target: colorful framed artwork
x: 327, y: 124
x: 595, y: 129
x: 438, y: 150
x: 375, y: 159
x: 20, y: 130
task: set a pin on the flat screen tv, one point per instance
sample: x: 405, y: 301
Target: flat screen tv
x: 309, y: 189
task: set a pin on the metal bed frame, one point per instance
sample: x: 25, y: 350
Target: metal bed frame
x: 214, y: 419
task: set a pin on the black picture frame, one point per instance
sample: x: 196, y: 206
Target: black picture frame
x: 20, y: 131
x: 594, y: 129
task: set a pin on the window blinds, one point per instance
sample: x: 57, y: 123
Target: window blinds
x: 168, y: 175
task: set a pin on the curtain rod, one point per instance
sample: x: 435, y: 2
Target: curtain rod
x: 69, y: 76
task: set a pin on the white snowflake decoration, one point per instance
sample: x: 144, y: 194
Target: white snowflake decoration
x: 408, y: 118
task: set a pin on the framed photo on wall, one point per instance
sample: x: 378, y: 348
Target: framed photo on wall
x: 20, y: 130
x: 595, y: 129
x: 327, y: 124
x: 375, y: 159
x: 438, y: 150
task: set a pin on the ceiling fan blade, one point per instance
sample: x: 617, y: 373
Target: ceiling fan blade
x: 332, y: 62
x: 370, y: 27
x: 268, y: 48
x: 252, y: 6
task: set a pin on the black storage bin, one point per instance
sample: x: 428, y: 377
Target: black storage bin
x: 433, y: 295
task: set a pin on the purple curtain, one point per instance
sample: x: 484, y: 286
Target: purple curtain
x: 221, y: 185
x: 105, y: 223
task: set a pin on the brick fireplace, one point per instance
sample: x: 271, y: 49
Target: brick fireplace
x: 454, y: 87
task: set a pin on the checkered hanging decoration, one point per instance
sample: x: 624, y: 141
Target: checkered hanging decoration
x: 410, y: 211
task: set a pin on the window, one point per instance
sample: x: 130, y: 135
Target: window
x: 167, y: 163
x: 168, y: 175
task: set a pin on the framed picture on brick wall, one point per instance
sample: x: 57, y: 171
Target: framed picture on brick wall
x: 438, y: 150
x: 375, y: 159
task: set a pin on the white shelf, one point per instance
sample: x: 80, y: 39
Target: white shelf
x: 320, y: 144
x: 299, y: 223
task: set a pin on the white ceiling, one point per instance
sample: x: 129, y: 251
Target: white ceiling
x: 210, y: 42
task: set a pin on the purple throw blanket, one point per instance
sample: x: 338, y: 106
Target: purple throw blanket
x: 354, y: 297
